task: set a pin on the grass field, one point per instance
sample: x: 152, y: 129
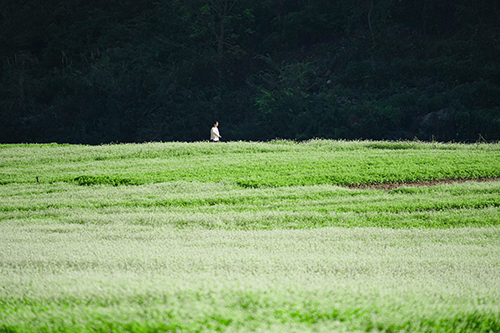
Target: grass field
x: 249, y: 237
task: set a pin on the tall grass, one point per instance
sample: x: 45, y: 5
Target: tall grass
x: 144, y: 279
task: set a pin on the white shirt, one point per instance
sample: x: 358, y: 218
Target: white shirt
x: 214, y: 134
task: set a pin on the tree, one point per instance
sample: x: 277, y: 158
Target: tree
x: 218, y: 22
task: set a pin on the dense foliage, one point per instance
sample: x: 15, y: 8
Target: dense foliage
x: 149, y: 70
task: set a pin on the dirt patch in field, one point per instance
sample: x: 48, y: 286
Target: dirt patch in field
x: 391, y: 186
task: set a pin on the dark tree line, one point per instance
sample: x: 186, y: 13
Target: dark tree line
x: 99, y: 71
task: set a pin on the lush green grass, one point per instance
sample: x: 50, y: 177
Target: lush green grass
x: 211, y: 238
x: 281, y: 163
x: 184, y: 204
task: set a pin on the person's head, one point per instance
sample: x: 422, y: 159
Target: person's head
x: 216, y: 123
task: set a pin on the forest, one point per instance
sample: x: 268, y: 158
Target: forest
x: 109, y: 71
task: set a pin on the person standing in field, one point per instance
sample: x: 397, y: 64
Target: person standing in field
x: 214, y: 133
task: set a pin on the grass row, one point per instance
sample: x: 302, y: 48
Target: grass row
x: 184, y: 204
x: 280, y: 163
x: 143, y: 279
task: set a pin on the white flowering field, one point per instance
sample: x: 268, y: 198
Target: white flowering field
x: 250, y: 237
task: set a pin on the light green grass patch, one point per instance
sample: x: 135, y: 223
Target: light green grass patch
x: 137, y: 279
x: 227, y: 206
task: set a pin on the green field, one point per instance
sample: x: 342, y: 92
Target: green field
x: 249, y: 237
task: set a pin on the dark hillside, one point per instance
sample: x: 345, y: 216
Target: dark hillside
x: 131, y: 71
